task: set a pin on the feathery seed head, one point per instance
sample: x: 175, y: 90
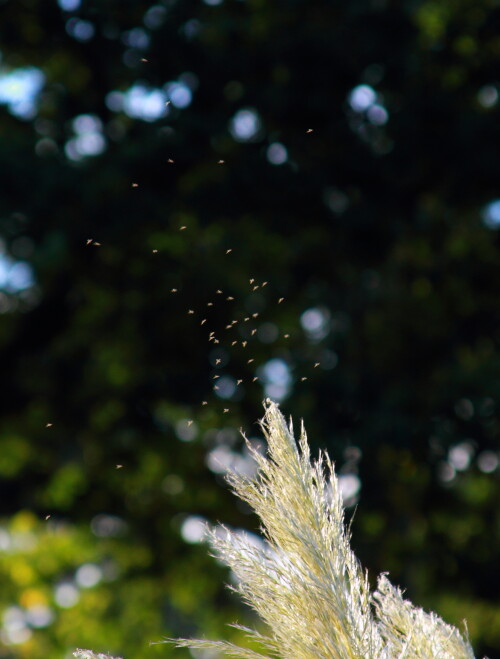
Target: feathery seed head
x: 304, y: 581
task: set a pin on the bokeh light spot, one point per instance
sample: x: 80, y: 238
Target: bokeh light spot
x: 141, y: 102
x: 179, y: 94
x: 362, y: 97
x: 349, y: 485
x: 460, y: 455
x: 39, y: 616
x: 155, y: 17
x: 89, y: 139
x: 487, y: 461
x: 277, y: 153
x: 191, y: 28
x: 335, y: 200
x: 15, y: 276
x: 316, y: 323
x: 69, y: 5
x: 220, y: 459
x: 79, y: 29
x: 88, y: 575
x: 186, y: 430
x: 245, y: 125
x: 20, y: 277
x: 136, y: 38
x: 491, y: 214
x: 19, y: 90
x: 14, y: 627
x: 66, y: 595
x: 226, y: 387
x: 193, y: 529
x: 446, y: 472
x: 377, y: 115
x: 487, y: 96
x: 277, y: 379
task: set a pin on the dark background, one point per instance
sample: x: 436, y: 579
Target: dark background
x: 360, y: 148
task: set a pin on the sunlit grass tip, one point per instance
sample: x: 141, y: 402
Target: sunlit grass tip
x: 304, y: 581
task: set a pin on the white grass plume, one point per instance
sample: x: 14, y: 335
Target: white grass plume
x: 306, y: 584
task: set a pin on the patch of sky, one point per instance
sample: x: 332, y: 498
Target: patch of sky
x: 19, y: 90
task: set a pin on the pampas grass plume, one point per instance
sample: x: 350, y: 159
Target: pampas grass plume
x: 304, y: 581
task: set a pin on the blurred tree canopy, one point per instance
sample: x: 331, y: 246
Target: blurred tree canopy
x: 155, y: 154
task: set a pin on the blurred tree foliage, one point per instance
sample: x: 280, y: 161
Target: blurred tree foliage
x: 345, y: 153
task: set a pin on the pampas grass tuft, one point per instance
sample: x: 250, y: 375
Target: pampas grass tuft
x: 307, y: 584
x: 304, y: 581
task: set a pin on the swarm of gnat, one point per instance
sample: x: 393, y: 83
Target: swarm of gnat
x: 304, y: 581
